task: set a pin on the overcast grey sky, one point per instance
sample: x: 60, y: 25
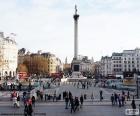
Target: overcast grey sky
x: 105, y: 26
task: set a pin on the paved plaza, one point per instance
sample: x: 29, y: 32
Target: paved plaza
x: 89, y: 108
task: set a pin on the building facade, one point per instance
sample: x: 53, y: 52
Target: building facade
x: 118, y: 63
x: 41, y: 63
x: 106, y: 65
x: 8, y: 56
x: 131, y: 60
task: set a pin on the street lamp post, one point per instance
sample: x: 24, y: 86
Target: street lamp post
x: 137, y: 83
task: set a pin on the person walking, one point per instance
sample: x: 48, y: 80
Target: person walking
x: 115, y: 98
x: 26, y: 110
x: 76, y: 104
x: 92, y: 97
x: 30, y: 110
x: 112, y: 99
x: 133, y: 106
x: 33, y: 101
x: 101, y: 95
x: 128, y: 96
x: 66, y: 102
x: 119, y: 100
x: 123, y: 100
x: 18, y: 101
x: 72, y: 104
x: 81, y: 101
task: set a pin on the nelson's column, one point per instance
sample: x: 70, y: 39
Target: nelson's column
x: 76, y: 62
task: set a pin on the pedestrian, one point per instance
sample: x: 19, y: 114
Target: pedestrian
x: 72, y: 105
x: 33, y: 101
x: 81, y: 101
x: 66, y: 102
x: 30, y: 110
x: 101, y: 95
x: 115, y: 98
x: 92, y: 97
x: 26, y: 110
x: 112, y: 99
x: 123, y: 100
x: 41, y: 96
x: 133, y: 106
x: 18, y: 101
x: 54, y: 97
x: 119, y: 100
x: 128, y: 96
x: 76, y: 104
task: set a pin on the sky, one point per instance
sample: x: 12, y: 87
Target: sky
x: 105, y: 26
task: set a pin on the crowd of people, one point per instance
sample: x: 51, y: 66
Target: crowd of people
x: 120, y: 99
x: 27, y: 101
x: 73, y: 102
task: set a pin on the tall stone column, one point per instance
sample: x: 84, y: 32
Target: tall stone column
x: 75, y: 16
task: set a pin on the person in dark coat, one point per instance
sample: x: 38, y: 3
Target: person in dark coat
x: 115, y: 98
x: 112, y: 99
x: 128, y: 96
x: 33, y: 100
x: 26, y: 110
x: 133, y: 104
x: 66, y: 101
x: 30, y: 110
x: 81, y: 100
x: 123, y: 100
x: 76, y: 103
x: 101, y: 95
x: 72, y: 104
x: 119, y: 100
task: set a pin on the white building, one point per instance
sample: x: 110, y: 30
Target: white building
x: 126, y: 61
x: 117, y: 63
x: 106, y: 66
x: 131, y: 60
x: 8, y: 56
x: 97, y: 68
x: 86, y: 64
